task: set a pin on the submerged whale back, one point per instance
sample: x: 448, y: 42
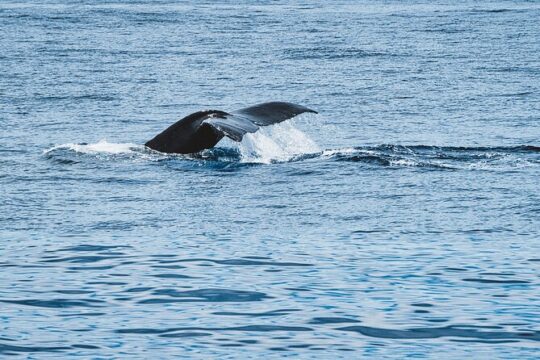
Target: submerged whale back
x: 204, y: 129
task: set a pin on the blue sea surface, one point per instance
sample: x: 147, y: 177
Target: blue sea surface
x: 402, y: 221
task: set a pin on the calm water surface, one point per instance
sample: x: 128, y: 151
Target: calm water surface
x: 402, y: 221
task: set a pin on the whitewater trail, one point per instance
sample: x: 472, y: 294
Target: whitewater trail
x: 277, y: 143
x: 284, y: 143
x: 102, y: 146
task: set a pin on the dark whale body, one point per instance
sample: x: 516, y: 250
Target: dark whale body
x: 204, y: 129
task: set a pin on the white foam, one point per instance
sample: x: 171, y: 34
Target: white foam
x: 102, y: 146
x: 275, y: 143
x: 332, y: 152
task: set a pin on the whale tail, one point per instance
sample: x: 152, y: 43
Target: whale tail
x: 204, y: 129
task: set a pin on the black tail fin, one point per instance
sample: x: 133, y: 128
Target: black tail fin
x: 237, y: 123
x: 204, y: 129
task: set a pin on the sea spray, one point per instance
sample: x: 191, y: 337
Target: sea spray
x: 276, y: 143
x: 102, y: 146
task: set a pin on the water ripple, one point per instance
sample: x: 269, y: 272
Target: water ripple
x: 57, y: 303
x: 247, y: 328
x: 472, y: 332
x: 205, y: 295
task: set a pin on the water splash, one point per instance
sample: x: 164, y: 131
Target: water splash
x: 276, y: 143
x: 102, y: 146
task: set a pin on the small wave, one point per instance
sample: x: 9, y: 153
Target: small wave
x: 165, y: 296
x: 102, y: 146
x: 73, y: 153
x: 285, y: 143
x: 493, y: 11
x: 473, y: 333
x: 449, y: 158
x: 329, y: 53
x: 8, y: 349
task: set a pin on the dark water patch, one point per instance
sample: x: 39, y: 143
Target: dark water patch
x: 244, y: 262
x: 138, y: 289
x: 473, y: 332
x: 519, y: 94
x: 83, y: 259
x: 497, y: 274
x: 74, y: 292
x: 264, y: 328
x: 76, y: 98
x: 332, y: 320
x: 299, y: 346
x: 172, y: 276
x: 298, y: 289
x: 107, y: 283
x: 302, y: 172
x: 485, y: 341
x: 148, y: 331
x: 247, y: 328
x: 329, y: 53
x: 496, y: 281
x: 437, y: 320
x: 372, y: 231
x: 83, y: 314
x: 113, y: 225
x: 104, y: 267
x: 7, y: 349
x: 278, y: 348
x: 445, y: 30
x: 119, y: 180
x: 93, y: 248
x: 120, y: 274
x: 515, y: 69
x: 85, y: 346
x: 186, y: 334
x: 513, y: 324
x: 422, y: 305
x: 382, y: 160
x: 205, y: 295
x: 170, y: 267
x: 493, y: 11
x: 64, y: 161
x: 248, y: 341
x: 57, y: 303
x: 13, y: 151
x: 454, y: 269
x: 279, y: 312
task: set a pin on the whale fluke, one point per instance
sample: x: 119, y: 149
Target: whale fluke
x: 204, y: 129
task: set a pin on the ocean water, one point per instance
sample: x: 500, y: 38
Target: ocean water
x: 402, y: 221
